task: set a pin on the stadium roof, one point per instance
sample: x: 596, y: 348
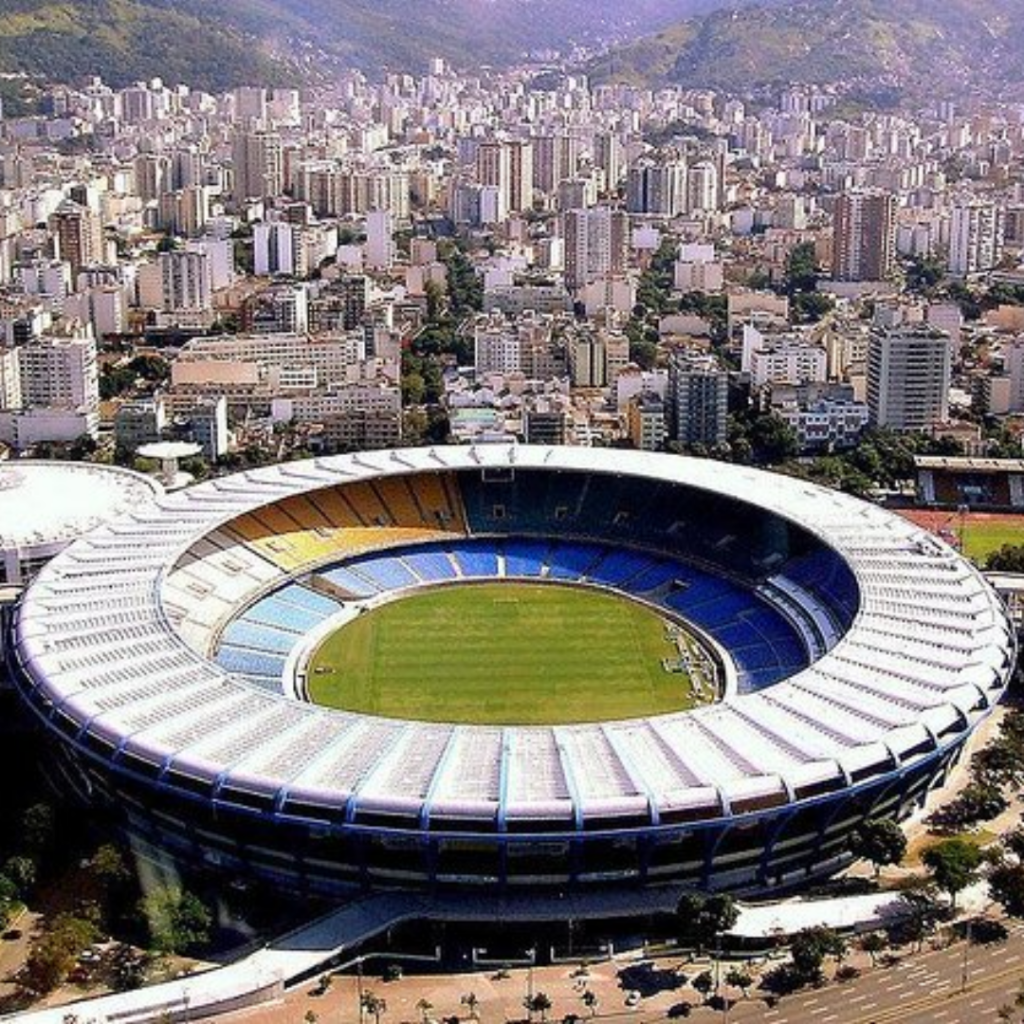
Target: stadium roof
x: 48, y: 502
x: 926, y: 656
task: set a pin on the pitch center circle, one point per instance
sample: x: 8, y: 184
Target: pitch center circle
x: 511, y: 653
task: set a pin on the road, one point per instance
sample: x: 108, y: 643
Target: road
x: 919, y: 989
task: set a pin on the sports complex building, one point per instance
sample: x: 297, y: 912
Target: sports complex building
x: 168, y: 655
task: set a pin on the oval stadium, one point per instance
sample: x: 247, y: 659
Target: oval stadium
x: 807, y: 661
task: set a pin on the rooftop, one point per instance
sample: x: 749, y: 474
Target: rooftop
x: 47, y: 502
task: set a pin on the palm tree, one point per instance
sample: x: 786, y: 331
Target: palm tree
x: 470, y: 1001
x: 590, y: 1001
x: 425, y: 1006
x: 375, y: 1005
x: 539, y: 1003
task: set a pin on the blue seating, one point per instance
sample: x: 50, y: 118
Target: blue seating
x: 525, y: 558
x: 342, y: 576
x: 279, y: 614
x: 616, y: 567
x: 243, y: 633
x: 477, y: 560
x: 386, y: 571
x: 250, y: 663
x: 307, y: 599
x: 651, y: 579
x: 571, y: 561
x: 431, y: 566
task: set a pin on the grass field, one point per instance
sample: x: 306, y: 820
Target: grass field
x: 502, y: 653
x: 983, y: 532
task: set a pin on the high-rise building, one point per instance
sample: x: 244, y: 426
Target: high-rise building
x: 274, y: 248
x: 864, y: 237
x: 645, y: 421
x: 520, y: 181
x: 657, y: 188
x: 697, y: 398
x: 596, y: 245
x: 78, y: 235
x: 380, y: 246
x: 258, y: 165
x: 908, y: 377
x: 702, y: 188
x: 976, y: 234
x: 59, y: 373
x: 177, y: 282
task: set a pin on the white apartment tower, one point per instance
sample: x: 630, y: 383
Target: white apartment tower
x: 976, y: 232
x: 908, y: 377
x: 596, y: 245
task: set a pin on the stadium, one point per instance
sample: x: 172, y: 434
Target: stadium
x: 838, y: 659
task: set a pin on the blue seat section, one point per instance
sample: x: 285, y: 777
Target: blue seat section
x: 571, y: 561
x: 307, y: 599
x: 658, y: 575
x: 617, y: 567
x: 281, y: 615
x: 342, y: 576
x: 250, y: 663
x: 477, y: 559
x: 386, y: 571
x: 242, y: 633
x: 524, y: 557
x: 432, y: 566
x: 829, y: 579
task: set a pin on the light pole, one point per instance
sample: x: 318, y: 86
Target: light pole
x: 964, y: 967
x: 359, y: 985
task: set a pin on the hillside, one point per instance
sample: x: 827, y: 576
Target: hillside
x: 885, y: 44
x: 216, y: 45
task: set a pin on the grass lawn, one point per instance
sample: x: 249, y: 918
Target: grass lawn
x: 982, y: 538
x: 983, y: 532
x: 502, y: 653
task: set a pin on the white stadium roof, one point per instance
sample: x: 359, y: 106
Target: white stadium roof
x: 925, y: 657
x: 51, y: 502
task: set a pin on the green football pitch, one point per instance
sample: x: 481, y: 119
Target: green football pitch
x: 507, y: 654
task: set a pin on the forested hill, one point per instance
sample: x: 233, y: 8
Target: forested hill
x: 215, y: 44
x: 918, y: 47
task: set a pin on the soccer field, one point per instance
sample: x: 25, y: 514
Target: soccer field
x: 982, y: 532
x: 503, y: 654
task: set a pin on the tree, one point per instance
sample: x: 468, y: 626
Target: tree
x: 954, y: 865
x: 21, y: 871
x: 873, y: 943
x: 540, y: 1003
x: 772, y: 440
x: 590, y: 1001
x: 54, y: 955
x: 739, y: 978
x: 801, y: 269
x: 37, y: 827
x: 920, y: 912
x: 881, y: 842
x: 702, y: 918
x: 1006, y: 886
x: 177, y: 919
x: 1009, y: 558
x: 470, y: 1001
x: 703, y: 984
x: 374, y: 1005
x: 424, y: 1006
x: 809, y: 949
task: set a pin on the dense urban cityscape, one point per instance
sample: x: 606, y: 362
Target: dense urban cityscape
x: 537, y: 530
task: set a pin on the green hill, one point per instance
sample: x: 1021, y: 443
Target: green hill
x: 215, y: 44
x: 916, y: 46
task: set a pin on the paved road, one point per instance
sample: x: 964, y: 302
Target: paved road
x: 920, y: 989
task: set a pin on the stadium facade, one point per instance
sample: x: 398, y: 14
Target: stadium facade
x: 164, y: 654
